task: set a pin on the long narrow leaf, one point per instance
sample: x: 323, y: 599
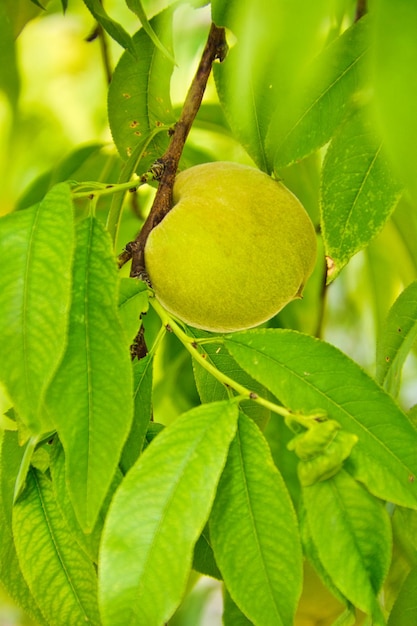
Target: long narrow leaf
x: 158, y: 514
x: 232, y: 615
x: 139, y: 95
x: 332, y: 80
x: 351, y: 531
x: 358, y: 192
x: 133, y: 301
x: 253, y: 524
x: 36, y: 250
x: 274, y: 41
x: 62, y: 579
x: 142, y: 401
x: 397, y: 338
x: 203, y: 560
x: 307, y: 374
x: 90, y: 398
x: 9, y: 75
x: 88, y: 542
x: 137, y: 8
x: 11, y: 576
x: 394, y: 62
x: 113, y: 28
x: 404, y: 611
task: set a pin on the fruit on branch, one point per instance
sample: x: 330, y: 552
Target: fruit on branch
x: 236, y: 247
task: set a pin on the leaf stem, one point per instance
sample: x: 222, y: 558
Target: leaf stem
x: 106, y: 190
x: 243, y: 392
x: 22, y: 473
x: 98, y: 33
x: 105, y: 53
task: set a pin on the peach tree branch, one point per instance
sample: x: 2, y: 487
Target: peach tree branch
x: 215, y: 49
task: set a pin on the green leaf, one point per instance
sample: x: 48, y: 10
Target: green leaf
x: 404, y: 611
x: 331, y: 81
x: 113, y: 28
x: 133, y: 301
x: 93, y: 414
x: 351, y: 531
x: 404, y: 523
x: 88, y: 162
x: 158, y: 514
x: 152, y: 8
x: 232, y: 615
x: 154, y: 429
x: 396, y: 339
x: 36, y: 248
x: 394, y: 61
x: 251, y: 515
x: 404, y: 221
x: 315, y: 573
x: 203, y: 560
x: 274, y: 42
x: 20, y: 13
x: 9, y: 75
x: 139, y: 95
x: 130, y: 166
x: 278, y: 436
x: 27, y: 459
x: 142, y: 399
x: 307, y: 374
x: 88, y: 542
x: 243, y: 119
x: 358, y: 193
x: 62, y: 579
x: 388, y: 267
x: 137, y: 8
x: 11, y: 576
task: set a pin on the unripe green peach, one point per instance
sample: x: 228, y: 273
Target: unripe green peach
x: 235, y: 248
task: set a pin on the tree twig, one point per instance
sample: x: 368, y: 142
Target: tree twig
x: 361, y: 9
x: 139, y: 349
x: 99, y: 34
x: 216, y: 48
x: 105, y: 54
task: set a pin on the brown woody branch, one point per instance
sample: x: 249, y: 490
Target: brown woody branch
x: 216, y: 48
x: 99, y: 34
x: 361, y: 9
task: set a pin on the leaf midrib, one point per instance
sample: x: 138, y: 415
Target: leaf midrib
x: 333, y: 402
x: 55, y: 544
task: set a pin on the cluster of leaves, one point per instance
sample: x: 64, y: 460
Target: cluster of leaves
x: 288, y: 449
